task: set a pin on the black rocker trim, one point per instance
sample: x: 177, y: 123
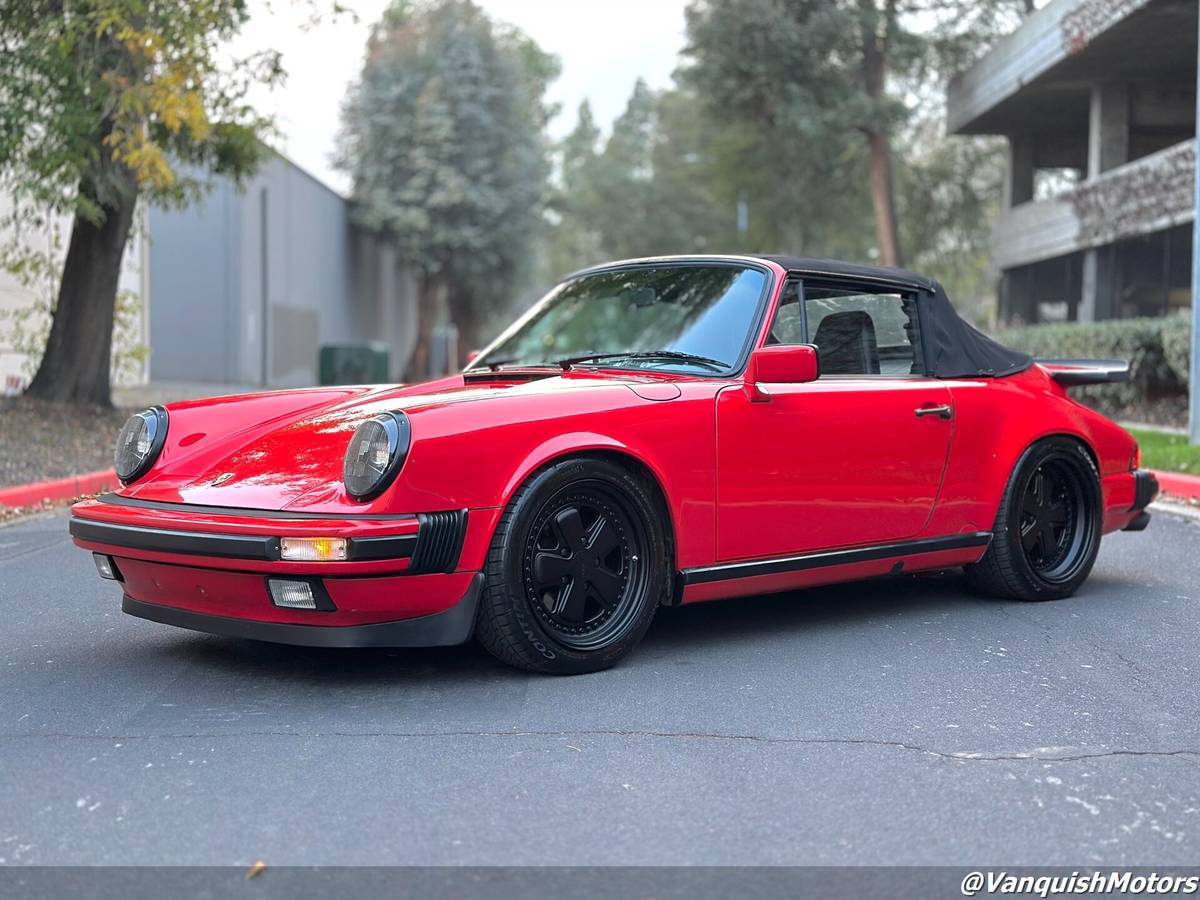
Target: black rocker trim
x: 242, y: 511
x: 452, y: 626
x: 752, y: 568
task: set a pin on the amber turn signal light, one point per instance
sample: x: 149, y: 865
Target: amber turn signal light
x: 314, y: 549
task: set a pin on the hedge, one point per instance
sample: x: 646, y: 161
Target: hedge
x: 1158, y: 351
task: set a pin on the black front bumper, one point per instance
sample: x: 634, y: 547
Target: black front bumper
x: 452, y: 626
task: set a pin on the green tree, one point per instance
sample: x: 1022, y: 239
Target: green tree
x: 818, y: 76
x: 103, y: 102
x: 647, y: 189
x: 444, y: 137
x: 572, y: 235
x: 948, y: 193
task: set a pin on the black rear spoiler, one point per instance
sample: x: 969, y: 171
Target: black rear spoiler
x: 1075, y: 372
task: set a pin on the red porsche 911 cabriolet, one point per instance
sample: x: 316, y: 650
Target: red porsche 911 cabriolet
x: 652, y: 432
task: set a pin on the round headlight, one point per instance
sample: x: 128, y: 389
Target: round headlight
x: 139, y: 443
x: 375, y: 455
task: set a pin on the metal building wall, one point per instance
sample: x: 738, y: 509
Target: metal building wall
x: 247, y: 284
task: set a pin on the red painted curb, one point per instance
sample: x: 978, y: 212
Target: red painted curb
x: 40, y: 492
x: 1179, y: 485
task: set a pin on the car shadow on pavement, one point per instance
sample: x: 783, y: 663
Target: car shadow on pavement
x: 330, y: 666
x: 726, y: 625
x: 810, y: 610
x: 721, y: 621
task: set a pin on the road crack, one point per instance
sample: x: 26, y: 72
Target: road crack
x: 953, y: 756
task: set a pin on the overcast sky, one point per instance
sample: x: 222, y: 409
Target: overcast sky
x: 603, y: 49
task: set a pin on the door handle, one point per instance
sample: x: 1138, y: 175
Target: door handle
x: 942, y: 412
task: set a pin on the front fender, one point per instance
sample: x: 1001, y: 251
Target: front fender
x: 572, y: 444
x: 478, y: 464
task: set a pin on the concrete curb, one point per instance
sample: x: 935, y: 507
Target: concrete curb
x: 40, y: 492
x: 1173, y: 507
x: 1178, y: 485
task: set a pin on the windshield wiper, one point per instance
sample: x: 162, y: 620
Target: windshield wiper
x: 496, y: 364
x: 646, y: 354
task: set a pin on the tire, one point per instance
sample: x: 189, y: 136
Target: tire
x: 1047, y: 529
x: 576, y: 570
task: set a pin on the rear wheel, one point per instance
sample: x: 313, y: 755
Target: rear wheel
x: 576, y: 570
x: 1047, y: 530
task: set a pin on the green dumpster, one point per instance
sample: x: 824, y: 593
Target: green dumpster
x: 362, y: 363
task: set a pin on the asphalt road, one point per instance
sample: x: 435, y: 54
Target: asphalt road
x: 897, y: 721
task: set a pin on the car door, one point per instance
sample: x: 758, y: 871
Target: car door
x: 853, y: 458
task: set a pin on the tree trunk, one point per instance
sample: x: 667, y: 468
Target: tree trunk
x: 883, y: 199
x: 427, y: 302
x: 876, y: 30
x: 78, y: 359
x: 462, y: 312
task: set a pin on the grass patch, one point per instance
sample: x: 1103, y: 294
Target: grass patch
x: 1169, y: 452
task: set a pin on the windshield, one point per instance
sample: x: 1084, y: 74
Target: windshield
x: 698, y: 317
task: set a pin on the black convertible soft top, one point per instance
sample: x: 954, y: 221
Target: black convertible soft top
x: 951, y: 347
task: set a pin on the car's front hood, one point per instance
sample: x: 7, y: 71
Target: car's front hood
x: 267, y: 451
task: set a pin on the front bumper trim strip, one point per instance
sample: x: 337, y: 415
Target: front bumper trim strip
x: 229, y: 546
x: 190, y: 543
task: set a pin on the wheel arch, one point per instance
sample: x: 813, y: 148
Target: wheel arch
x: 1006, y: 570
x: 1029, y: 444
x: 569, y: 446
x: 1077, y: 437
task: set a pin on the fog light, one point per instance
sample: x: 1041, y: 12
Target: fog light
x: 318, y: 549
x: 291, y: 594
x: 105, y: 567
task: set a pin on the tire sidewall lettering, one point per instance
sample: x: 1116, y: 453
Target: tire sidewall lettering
x: 531, y: 635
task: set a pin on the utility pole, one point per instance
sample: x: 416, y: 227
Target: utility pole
x: 1194, y: 376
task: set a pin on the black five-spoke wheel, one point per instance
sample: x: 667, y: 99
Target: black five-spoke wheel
x: 1050, y: 518
x: 1047, y: 531
x: 577, y: 568
x: 582, y: 557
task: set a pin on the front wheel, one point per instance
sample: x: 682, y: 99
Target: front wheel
x: 1047, y: 530
x: 576, y: 570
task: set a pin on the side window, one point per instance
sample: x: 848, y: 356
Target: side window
x: 788, y: 327
x: 860, y: 332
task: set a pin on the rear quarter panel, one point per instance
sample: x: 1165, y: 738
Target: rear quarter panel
x: 995, y: 421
